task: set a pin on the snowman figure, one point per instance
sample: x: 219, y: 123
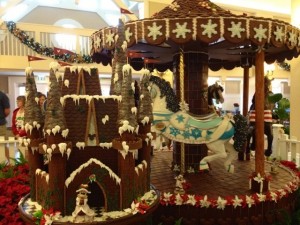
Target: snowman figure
x: 82, y: 212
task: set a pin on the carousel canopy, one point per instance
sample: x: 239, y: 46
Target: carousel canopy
x: 200, y: 26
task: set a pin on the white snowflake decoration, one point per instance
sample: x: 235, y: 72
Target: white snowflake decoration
x: 260, y: 32
x: 109, y: 38
x: 181, y: 30
x: 97, y: 42
x: 174, y: 6
x: 279, y: 34
x: 209, y: 28
x: 154, y: 31
x: 236, y: 29
x: 128, y: 34
x: 292, y: 38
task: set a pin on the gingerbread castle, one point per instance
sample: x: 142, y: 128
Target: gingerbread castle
x: 86, y: 138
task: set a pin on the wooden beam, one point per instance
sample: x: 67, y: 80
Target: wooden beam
x: 259, y: 113
x: 246, y: 91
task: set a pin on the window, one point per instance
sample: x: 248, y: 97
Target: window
x: 66, y: 41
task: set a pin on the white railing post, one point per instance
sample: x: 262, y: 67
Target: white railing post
x: 8, y: 149
x: 277, y: 128
x: 2, y: 149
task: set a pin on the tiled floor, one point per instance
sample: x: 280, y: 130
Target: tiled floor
x: 216, y: 182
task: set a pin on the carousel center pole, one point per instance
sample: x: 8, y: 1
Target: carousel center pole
x: 259, y: 112
x: 181, y: 79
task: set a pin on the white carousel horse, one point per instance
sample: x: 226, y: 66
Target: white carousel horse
x: 180, y: 126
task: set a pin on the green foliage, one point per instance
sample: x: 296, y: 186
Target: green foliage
x: 19, y: 161
x: 178, y: 222
x: 38, y: 215
x: 282, y: 105
x: 7, y: 173
x: 274, y: 98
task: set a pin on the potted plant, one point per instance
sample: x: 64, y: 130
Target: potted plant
x: 281, y: 110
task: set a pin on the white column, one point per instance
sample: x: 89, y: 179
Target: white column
x: 295, y: 78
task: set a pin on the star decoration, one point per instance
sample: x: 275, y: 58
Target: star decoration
x: 154, y: 30
x: 180, y: 118
x: 174, y: 131
x: 178, y: 199
x: 97, y: 42
x: 221, y: 203
x: 109, y: 38
x: 191, y: 200
x: 259, y: 178
x: 128, y: 34
x: 261, y: 197
x: 186, y: 134
x: 181, y: 30
x: 279, y: 34
x: 260, y: 32
x: 292, y: 38
x: 250, y: 201
x: 237, y: 201
x: 196, y: 133
x: 204, y: 202
x: 236, y: 29
x: 273, y: 196
x: 209, y: 28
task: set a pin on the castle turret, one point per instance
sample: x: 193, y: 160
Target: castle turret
x: 145, y: 118
x: 56, y: 148
x: 119, y: 60
x: 34, y: 129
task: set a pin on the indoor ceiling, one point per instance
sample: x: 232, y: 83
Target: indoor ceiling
x: 100, y: 13
x: 90, y: 14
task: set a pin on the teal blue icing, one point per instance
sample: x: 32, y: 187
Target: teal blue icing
x: 205, y: 124
x: 227, y: 134
x: 167, y: 115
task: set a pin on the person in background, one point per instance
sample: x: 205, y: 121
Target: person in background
x: 17, y: 124
x: 42, y: 99
x: 4, y: 112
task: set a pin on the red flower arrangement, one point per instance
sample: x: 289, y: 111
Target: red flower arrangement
x: 14, y: 184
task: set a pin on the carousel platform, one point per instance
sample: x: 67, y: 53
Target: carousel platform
x: 217, y: 197
x: 217, y: 181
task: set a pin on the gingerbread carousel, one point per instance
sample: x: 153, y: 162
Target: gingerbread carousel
x: 90, y: 155
x: 191, y: 37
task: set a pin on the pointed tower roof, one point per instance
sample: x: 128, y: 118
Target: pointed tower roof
x: 195, y: 8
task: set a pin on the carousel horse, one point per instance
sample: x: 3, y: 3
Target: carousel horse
x: 172, y: 120
x: 215, y: 91
x: 268, y: 120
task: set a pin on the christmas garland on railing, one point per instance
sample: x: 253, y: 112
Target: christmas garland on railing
x: 44, y: 50
x: 284, y: 65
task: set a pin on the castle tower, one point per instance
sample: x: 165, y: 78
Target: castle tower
x: 34, y: 124
x: 119, y: 61
x: 145, y: 118
x: 56, y: 146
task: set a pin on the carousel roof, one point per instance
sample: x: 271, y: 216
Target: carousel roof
x: 200, y: 26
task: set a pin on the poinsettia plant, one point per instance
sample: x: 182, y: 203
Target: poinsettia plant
x: 14, y: 182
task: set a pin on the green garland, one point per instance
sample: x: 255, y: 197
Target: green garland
x: 44, y: 50
x: 284, y: 65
